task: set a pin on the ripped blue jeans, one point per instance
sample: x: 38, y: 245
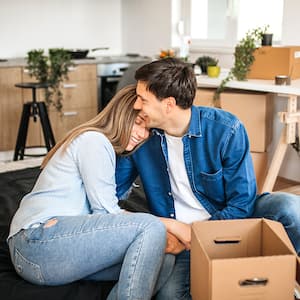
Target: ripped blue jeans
x: 128, y: 247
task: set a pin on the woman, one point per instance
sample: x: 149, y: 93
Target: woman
x: 70, y: 227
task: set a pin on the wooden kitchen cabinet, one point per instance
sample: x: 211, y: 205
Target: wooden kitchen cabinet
x: 79, y: 103
x: 11, y: 105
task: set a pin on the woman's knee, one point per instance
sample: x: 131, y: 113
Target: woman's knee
x: 152, y: 227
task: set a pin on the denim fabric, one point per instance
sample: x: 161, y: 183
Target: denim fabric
x: 284, y: 208
x: 178, y: 284
x: 129, y: 247
x: 218, y: 164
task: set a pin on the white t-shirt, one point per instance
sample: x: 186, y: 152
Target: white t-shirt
x: 187, y: 207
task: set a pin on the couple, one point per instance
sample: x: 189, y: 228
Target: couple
x: 196, y: 165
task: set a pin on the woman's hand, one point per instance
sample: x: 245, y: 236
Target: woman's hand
x: 174, y: 246
x: 181, y: 230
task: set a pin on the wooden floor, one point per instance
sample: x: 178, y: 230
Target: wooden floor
x: 286, y: 185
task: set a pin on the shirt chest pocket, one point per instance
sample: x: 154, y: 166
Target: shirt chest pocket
x: 211, y: 185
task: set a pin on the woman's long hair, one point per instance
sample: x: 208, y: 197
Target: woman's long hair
x: 115, y: 121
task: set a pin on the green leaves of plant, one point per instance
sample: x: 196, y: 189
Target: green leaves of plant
x: 52, y: 69
x: 243, y: 57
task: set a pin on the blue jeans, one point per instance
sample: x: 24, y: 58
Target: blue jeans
x: 281, y: 207
x: 128, y: 247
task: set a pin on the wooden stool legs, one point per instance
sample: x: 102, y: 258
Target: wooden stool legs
x: 33, y: 109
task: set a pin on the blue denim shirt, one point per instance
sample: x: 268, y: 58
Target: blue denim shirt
x: 218, y: 164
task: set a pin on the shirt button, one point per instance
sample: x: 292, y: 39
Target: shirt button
x: 172, y: 215
x: 170, y: 194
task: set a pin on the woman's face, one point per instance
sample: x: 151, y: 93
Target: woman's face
x: 139, y: 133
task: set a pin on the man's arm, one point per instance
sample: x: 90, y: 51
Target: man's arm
x: 179, y: 229
x: 239, y: 177
x: 126, y: 173
x: 174, y: 246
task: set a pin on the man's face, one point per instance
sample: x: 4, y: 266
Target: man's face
x: 151, y: 107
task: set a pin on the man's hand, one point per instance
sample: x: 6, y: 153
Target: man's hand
x: 179, y: 229
x: 174, y: 246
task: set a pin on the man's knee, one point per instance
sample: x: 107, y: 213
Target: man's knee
x: 277, y: 204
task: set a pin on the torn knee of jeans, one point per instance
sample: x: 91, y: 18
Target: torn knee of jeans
x: 50, y: 223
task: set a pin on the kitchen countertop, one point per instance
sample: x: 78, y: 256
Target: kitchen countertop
x: 260, y: 85
x: 21, y: 61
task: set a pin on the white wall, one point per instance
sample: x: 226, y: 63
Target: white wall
x: 146, y: 26
x: 30, y: 24
x: 291, y: 23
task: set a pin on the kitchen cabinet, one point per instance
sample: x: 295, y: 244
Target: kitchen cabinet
x: 11, y: 104
x: 79, y: 103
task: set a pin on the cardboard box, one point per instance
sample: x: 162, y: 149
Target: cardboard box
x: 260, y: 164
x: 249, y: 259
x: 272, y: 61
x: 255, y: 110
x: 204, y: 97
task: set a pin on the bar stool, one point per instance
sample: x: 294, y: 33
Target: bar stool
x: 33, y: 109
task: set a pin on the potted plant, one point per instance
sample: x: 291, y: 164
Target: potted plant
x: 244, y: 58
x: 213, y: 70
x: 52, y: 69
x: 204, y: 61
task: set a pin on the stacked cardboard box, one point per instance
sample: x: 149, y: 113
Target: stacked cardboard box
x: 255, y: 110
x: 272, y: 61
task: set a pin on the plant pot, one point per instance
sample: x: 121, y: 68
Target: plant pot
x: 213, y: 71
x: 267, y: 39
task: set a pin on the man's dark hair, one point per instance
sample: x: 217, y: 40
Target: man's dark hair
x: 170, y: 77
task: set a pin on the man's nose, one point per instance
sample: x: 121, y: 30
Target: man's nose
x: 138, y: 104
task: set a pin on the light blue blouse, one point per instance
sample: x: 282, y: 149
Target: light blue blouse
x: 79, y: 181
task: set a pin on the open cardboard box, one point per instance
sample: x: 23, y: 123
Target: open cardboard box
x: 249, y: 259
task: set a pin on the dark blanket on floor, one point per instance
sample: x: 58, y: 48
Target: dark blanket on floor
x: 13, y: 186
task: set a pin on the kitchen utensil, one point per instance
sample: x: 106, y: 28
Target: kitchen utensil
x: 82, y: 53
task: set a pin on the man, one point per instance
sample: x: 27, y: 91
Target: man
x: 197, y: 164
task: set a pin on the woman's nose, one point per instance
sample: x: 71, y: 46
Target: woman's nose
x: 143, y: 132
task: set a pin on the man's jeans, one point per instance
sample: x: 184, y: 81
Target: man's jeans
x: 128, y: 247
x: 281, y: 207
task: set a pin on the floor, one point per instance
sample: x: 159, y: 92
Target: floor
x: 7, y: 156
x: 287, y: 185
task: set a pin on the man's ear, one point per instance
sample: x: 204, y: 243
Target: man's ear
x: 170, y: 103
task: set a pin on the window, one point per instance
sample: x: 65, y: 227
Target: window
x: 224, y: 22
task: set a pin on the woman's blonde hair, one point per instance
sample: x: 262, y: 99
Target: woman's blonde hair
x: 115, y: 121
